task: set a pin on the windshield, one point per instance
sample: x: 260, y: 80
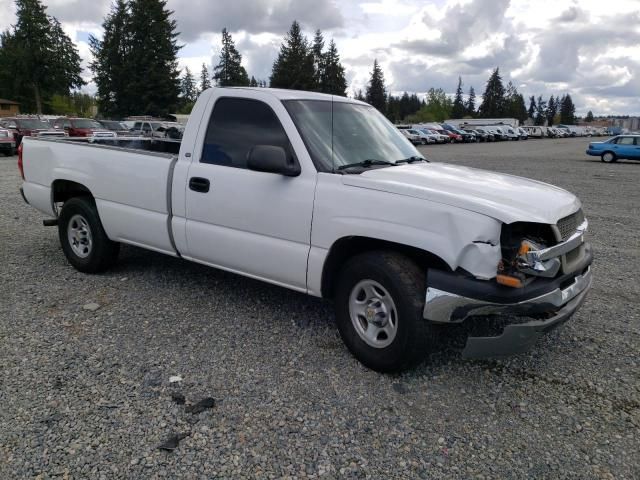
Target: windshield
x: 341, y: 133
x: 31, y: 123
x: 85, y: 123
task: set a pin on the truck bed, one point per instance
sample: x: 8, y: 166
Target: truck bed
x: 131, y: 186
x: 162, y: 145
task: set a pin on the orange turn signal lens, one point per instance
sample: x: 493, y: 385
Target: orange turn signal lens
x: 524, y: 248
x: 508, y: 281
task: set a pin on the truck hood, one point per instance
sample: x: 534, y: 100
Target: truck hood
x: 504, y: 197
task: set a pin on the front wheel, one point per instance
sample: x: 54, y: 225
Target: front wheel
x: 83, y: 239
x: 379, y: 306
x: 608, y: 157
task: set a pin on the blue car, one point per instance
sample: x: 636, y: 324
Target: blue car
x: 617, y: 148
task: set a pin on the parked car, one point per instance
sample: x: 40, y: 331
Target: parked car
x: 486, y: 134
x: 29, y: 127
x: 497, y: 132
x: 412, y: 137
x: 441, y: 137
x: 478, y: 137
x: 622, y: 147
x: 116, y: 126
x: 458, y: 135
x: 467, y: 137
x: 155, y: 129
x: 432, y: 136
x: 510, y: 133
x: 7, y: 142
x: 347, y: 210
x: 522, y: 133
x: 82, y: 127
x: 424, y: 138
x: 453, y: 136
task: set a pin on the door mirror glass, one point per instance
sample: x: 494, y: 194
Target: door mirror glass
x: 272, y: 159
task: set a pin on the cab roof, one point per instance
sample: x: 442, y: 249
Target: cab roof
x: 284, y: 94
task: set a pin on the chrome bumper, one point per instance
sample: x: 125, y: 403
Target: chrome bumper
x: 447, y: 307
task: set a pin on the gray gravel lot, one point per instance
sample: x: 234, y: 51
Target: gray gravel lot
x: 86, y: 392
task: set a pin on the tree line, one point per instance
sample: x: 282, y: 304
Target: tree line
x: 135, y: 70
x: 437, y: 106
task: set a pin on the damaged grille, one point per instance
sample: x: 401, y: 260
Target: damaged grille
x: 568, y: 225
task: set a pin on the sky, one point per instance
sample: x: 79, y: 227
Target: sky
x: 589, y: 48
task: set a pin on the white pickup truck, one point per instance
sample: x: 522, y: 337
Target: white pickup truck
x: 322, y: 195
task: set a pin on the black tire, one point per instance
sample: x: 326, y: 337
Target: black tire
x: 406, y: 284
x: 608, y: 157
x: 102, y: 252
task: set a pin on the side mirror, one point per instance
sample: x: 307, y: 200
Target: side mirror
x: 272, y: 159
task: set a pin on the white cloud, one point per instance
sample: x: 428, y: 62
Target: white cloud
x: 545, y: 47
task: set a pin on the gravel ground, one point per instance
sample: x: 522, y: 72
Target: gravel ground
x: 86, y: 364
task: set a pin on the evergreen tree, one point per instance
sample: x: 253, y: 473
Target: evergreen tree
x: 205, y: 82
x: 519, y: 108
x: 589, y: 117
x: 360, y: 96
x: 532, y: 107
x: 293, y: 67
x: 253, y: 82
x: 317, y: 50
x: 552, y: 109
x: 393, y: 112
x: 188, y: 90
x: 458, y: 110
x: 470, y: 106
x: 493, y: 101
x: 66, y: 69
x: 515, y: 105
x: 376, y: 94
x: 135, y: 66
x: 541, y: 112
x: 230, y: 72
x: 110, y: 65
x: 567, y: 111
x: 333, y: 80
x: 154, y: 84
x: 37, y: 59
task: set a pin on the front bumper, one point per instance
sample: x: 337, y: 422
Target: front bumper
x: 452, y: 299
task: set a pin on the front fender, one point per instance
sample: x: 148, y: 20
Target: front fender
x: 461, y: 238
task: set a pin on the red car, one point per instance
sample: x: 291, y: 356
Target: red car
x: 81, y: 127
x: 27, y: 127
x: 7, y: 142
x: 454, y: 137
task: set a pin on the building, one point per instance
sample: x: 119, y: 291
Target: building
x: 8, y: 108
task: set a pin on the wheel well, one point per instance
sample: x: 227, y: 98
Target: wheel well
x: 347, y: 247
x: 63, y: 190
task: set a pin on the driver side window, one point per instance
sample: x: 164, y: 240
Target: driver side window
x: 236, y: 126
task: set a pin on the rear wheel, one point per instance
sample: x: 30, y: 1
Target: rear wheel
x: 83, y: 239
x: 379, y: 305
x: 608, y: 157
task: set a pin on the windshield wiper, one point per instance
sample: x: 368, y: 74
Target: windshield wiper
x: 365, y: 164
x: 412, y: 159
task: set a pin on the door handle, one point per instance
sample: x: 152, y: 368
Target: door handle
x: 199, y: 184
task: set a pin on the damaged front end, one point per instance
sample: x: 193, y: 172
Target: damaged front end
x: 544, y: 274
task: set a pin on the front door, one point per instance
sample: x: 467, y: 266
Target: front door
x: 254, y: 223
x: 625, y: 147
